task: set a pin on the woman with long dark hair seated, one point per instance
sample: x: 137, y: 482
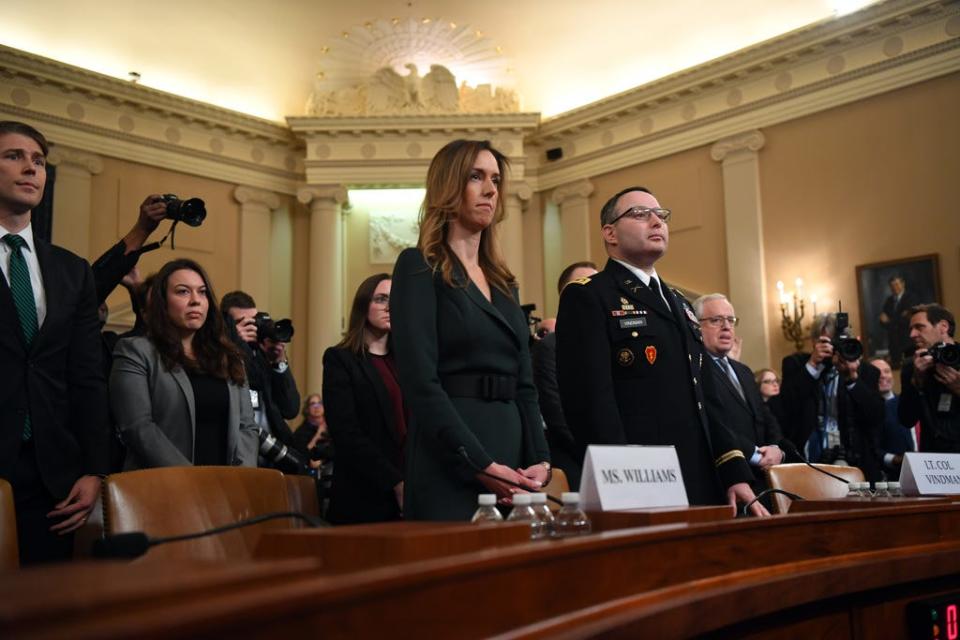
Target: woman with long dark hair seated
x: 461, y: 341
x: 364, y: 412
x: 179, y: 394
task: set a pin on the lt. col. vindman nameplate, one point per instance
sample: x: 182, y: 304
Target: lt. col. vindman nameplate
x: 631, y: 477
x: 930, y: 474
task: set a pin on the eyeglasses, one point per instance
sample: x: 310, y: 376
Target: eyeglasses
x: 771, y: 381
x: 719, y: 321
x: 643, y: 214
x: 381, y: 298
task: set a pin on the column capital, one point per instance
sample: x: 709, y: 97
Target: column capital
x: 579, y: 189
x: 251, y: 195
x: 314, y: 193
x: 63, y: 156
x: 747, y: 141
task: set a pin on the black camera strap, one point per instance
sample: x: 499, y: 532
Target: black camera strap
x: 159, y: 243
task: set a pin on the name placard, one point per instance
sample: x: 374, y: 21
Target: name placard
x: 631, y: 477
x: 925, y: 474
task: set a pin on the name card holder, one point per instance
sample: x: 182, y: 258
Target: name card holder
x: 930, y: 474
x: 631, y: 477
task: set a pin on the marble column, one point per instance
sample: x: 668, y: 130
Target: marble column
x: 71, y: 198
x: 325, y: 288
x: 744, y: 230
x: 256, y: 206
x: 575, y: 220
x: 510, y: 230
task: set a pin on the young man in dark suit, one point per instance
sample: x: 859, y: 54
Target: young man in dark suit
x: 631, y: 363
x: 53, y: 411
x: 737, y: 397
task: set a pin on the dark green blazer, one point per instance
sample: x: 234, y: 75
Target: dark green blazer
x: 441, y: 331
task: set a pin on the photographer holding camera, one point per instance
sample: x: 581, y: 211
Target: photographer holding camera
x: 832, y: 401
x: 931, y: 381
x: 273, y: 390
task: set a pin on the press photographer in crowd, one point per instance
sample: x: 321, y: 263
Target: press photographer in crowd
x: 273, y: 390
x: 931, y: 381
x: 831, y: 399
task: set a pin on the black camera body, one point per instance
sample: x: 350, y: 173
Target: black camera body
x: 267, y: 327
x: 946, y: 354
x: 847, y: 347
x: 192, y: 211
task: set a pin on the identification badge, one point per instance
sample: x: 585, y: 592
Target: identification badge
x: 254, y: 399
x: 946, y: 400
x: 631, y: 323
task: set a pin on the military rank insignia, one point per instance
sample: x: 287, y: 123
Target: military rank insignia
x: 625, y: 357
x: 651, y: 353
x: 690, y: 314
x: 583, y: 280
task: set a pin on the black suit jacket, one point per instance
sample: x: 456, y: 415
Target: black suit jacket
x: 564, y: 450
x: 939, y: 430
x: 59, y: 380
x: 633, y: 372
x: 860, y: 412
x: 360, y: 418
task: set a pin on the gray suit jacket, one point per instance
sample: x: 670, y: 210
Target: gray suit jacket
x: 155, y: 411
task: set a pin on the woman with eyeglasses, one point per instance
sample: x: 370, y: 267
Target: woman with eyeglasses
x: 461, y: 341
x: 365, y: 412
x: 179, y: 394
x: 768, y: 382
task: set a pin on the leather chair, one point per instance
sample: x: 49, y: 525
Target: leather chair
x: 9, y: 549
x: 809, y: 483
x: 171, y: 501
x: 302, y: 494
x: 557, y: 486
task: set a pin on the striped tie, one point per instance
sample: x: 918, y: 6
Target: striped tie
x: 23, y: 299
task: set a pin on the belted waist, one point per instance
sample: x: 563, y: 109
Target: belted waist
x: 482, y: 386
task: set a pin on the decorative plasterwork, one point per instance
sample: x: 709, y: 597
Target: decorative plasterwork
x: 322, y: 195
x: 252, y: 195
x: 386, y: 151
x: 391, y: 233
x: 114, y: 118
x: 884, y: 47
x: 749, y: 141
x: 579, y: 189
x: 61, y: 155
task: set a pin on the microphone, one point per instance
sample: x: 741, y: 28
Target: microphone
x: 136, y: 543
x: 766, y: 492
x: 463, y: 454
x: 790, y: 448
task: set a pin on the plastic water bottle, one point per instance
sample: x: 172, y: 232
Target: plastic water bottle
x: 571, y: 520
x: 539, y: 503
x: 523, y: 512
x: 894, y: 489
x: 881, y: 491
x: 487, y: 509
x: 853, y: 490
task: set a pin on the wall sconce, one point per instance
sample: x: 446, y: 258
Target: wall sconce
x: 792, y: 323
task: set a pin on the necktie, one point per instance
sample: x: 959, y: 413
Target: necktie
x: 728, y: 369
x: 23, y: 299
x: 655, y: 287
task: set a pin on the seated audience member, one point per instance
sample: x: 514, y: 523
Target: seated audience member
x: 179, y: 394
x: 896, y: 439
x: 930, y: 386
x: 564, y: 451
x: 734, y: 394
x: 833, y: 407
x: 365, y: 413
x: 769, y: 384
x: 313, y: 432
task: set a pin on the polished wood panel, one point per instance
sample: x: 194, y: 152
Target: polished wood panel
x: 629, y: 518
x: 851, y: 504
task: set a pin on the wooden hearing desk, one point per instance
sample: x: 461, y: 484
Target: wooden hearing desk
x: 836, y: 573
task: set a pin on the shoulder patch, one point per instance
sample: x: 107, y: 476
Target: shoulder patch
x: 583, y: 280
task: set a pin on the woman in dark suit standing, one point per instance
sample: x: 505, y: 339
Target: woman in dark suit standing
x: 461, y: 342
x: 179, y: 395
x: 364, y: 412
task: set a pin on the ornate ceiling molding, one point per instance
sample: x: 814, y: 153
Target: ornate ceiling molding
x: 61, y: 155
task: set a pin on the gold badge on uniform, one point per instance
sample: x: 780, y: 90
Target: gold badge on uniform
x: 651, y: 353
x: 625, y: 357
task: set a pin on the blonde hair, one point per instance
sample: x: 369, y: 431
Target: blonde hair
x: 446, y: 181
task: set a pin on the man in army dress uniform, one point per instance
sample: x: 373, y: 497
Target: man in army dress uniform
x: 631, y: 362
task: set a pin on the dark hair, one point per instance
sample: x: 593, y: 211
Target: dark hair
x: 214, y: 353
x: 306, y: 403
x: 237, y: 300
x: 896, y: 276
x: 446, y: 181
x: 12, y: 126
x: 566, y: 273
x: 353, y: 339
x: 936, y: 313
x: 609, y: 210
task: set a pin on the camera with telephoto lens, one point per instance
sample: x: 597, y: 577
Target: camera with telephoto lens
x: 848, y: 347
x: 191, y: 211
x: 947, y: 354
x: 278, y: 331
x: 280, y: 454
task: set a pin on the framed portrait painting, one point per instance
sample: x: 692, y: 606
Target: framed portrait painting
x: 886, y: 291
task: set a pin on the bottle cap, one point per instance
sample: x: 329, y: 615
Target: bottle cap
x: 881, y: 486
x: 570, y: 497
x: 521, y: 499
x: 893, y: 485
x: 486, y: 500
x: 538, y: 498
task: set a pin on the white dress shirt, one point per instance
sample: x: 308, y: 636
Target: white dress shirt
x: 33, y: 266
x: 645, y: 279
